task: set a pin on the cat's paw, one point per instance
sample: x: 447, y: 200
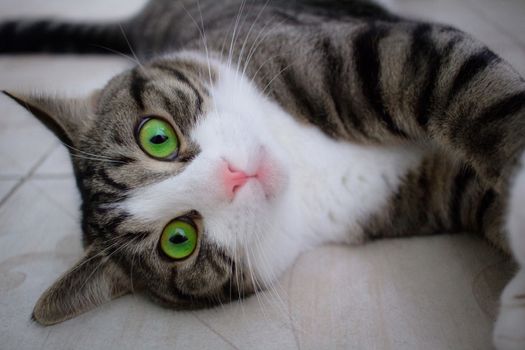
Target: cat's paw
x: 509, y: 331
x: 516, y: 215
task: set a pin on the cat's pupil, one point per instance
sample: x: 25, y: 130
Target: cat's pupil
x: 178, y: 239
x: 158, y: 139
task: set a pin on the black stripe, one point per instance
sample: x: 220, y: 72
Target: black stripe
x: 117, y: 138
x: 461, y: 181
x: 335, y: 69
x: 486, y: 202
x: 225, y: 258
x: 213, y: 257
x: 333, y: 73
x: 501, y: 109
x: 109, y: 181
x: 425, y: 54
x: 307, y: 105
x: 178, y: 109
x: 435, y: 66
x: 49, y: 36
x: 366, y: 57
x: 102, y: 210
x: 105, y: 197
x: 114, y: 223
x: 7, y: 36
x: 421, y: 45
x: 138, y: 85
x: 92, y: 229
x: 181, y: 77
x: 473, y: 66
x: 120, y: 161
x: 87, y: 172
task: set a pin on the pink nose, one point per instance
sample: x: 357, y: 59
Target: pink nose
x: 234, y: 179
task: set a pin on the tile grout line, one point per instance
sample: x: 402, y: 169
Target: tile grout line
x: 53, y: 200
x: 24, y: 178
x: 62, y: 176
x: 49, y: 176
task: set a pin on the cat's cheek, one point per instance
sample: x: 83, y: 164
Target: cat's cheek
x: 273, y: 177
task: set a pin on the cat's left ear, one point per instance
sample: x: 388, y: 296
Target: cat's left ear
x: 92, y: 281
x: 67, y: 118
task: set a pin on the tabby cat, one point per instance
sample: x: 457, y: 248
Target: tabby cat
x: 250, y: 131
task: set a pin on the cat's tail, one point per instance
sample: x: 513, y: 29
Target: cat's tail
x: 33, y: 36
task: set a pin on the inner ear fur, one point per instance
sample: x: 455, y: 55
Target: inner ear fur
x: 92, y: 281
x: 67, y: 118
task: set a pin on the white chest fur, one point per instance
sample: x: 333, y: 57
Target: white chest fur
x: 337, y: 185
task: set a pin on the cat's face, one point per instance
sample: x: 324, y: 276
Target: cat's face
x: 185, y: 189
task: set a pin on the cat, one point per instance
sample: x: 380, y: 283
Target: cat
x: 251, y: 131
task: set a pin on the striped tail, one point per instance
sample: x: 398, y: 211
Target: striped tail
x: 33, y: 36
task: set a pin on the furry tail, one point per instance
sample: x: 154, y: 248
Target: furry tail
x: 32, y: 36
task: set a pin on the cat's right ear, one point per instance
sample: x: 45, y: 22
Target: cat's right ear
x: 67, y: 118
x: 91, y: 282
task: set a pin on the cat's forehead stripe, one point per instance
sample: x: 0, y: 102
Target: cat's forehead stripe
x: 174, y: 72
x: 137, y: 87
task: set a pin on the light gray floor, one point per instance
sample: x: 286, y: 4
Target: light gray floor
x: 421, y: 293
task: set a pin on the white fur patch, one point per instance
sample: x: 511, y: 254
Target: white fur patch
x: 516, y: 215
x: 508, y: 330
x: 322, y: 189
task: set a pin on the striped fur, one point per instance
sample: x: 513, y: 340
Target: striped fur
x: 358, y: 74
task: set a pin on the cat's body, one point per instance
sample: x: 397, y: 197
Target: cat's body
x: 298, y: 123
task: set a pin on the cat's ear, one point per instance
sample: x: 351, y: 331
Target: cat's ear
x: 93, y: 281
x: 67, y: 118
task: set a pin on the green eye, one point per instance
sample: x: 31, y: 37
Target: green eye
x: 179, y: 239
x: 158, y: 139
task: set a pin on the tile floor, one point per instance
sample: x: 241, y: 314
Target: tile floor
x: 432, y: 293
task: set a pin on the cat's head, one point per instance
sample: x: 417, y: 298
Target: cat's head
x: 185, y: 188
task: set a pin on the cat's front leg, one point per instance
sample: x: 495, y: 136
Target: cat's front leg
x: 509, y: 332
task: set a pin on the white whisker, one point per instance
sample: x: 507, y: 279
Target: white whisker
x: 97, y: 159
x: 262, y: 64
x: 120, y: 54
x: 124, y: 246
x: 276, y: 76
x: 103, y: 251
x: 239, y: 14
x: 259, y: 40
x: 273, y: 295
x: 131, y: 48
x: 89, y: 154
x: 248, y: 35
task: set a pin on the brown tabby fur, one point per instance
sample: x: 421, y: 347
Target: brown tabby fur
x: 355, y: 71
